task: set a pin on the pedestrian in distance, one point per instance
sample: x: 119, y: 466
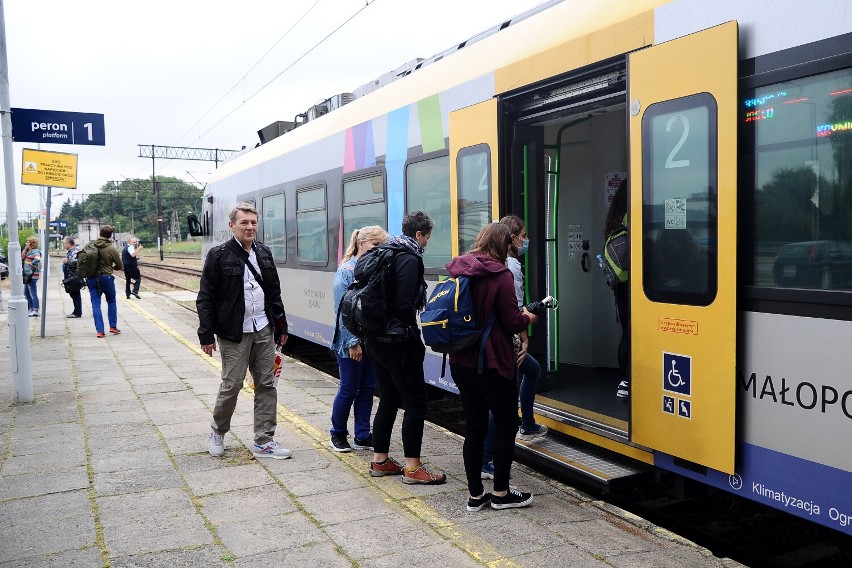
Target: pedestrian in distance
x: 398, y: 356
x: 495, y: 389
x: 129, y: 257
x: 239, y: 302
x: 69, y: 268
x: 31, y: 259
x: 357, y: 373
x: 103, y: 282
x: 529, y: 369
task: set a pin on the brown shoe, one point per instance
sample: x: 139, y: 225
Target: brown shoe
x: 423, y: 476
x: 388, y: 467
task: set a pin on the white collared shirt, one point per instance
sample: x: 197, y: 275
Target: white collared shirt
x: 255, y: 316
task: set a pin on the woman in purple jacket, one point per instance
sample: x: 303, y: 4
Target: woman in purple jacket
x: 496, y: 389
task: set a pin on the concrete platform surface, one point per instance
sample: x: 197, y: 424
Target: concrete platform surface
x: 109, y: 467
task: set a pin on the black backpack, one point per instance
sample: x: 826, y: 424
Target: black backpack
x: 362, y: 308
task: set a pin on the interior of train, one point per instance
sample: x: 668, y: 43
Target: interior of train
x: 571, y: 156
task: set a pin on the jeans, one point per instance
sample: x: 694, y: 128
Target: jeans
x: 481, y: 394
x: 529, y: 371
x: 255, y: 352
x: 103, y: 284
x: 78, y: 303
x: 399, y: 373
x: 357, y: 382
x: 31, y: 294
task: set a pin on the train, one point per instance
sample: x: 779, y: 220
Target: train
x: 732, y: 123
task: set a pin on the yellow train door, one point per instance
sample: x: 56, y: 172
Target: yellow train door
x: 683, y: 162
x: 473, y: 171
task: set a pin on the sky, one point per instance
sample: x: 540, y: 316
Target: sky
x: 208, y: 73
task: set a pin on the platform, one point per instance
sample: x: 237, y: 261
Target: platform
x: 109, y: 467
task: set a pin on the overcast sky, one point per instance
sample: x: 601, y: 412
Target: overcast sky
x: 157, y: 69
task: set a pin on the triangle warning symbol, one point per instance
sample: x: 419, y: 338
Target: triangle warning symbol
x: 30, y: 167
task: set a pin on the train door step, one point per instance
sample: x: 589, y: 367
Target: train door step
x: 578, y: 459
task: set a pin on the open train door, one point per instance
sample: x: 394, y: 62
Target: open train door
x: 473, y: 171
x: 683, y: 222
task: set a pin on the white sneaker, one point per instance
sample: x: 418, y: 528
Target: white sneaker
x: 216, y: 444
x: 272, y: 450
x: 623, y: 389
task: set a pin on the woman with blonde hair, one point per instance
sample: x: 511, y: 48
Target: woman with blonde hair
x: 357, y: 375
x: 31, y: 258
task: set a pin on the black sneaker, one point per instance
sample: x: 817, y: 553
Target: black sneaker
x: 477, y: 503
x: 511, y: 500
x: 339, y: 443
x: 365, y: 444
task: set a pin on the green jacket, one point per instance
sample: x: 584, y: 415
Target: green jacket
x: 110, y: 257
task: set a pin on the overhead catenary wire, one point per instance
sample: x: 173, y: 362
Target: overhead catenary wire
x: 243, y: 78
x: 250, y: 97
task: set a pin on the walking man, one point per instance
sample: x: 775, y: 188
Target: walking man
x: 103, y: 282
x: 240, y: 302
x: 398, y: 358
x: 129, y: 257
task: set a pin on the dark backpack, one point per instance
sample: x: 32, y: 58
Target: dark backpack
x: 89, y: 261
x: 615, y: 261
x: 362, y: 308
x: 449, y: 324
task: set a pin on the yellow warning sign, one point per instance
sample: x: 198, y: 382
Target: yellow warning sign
x: 54, y: 169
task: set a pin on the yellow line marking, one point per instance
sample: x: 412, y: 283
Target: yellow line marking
x: 474, y: 546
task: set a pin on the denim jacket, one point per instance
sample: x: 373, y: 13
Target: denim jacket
x: 344, y: 276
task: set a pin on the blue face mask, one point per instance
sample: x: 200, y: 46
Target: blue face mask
x: 524, y: 247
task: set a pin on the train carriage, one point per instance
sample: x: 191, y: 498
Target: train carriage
x: 733, y: 124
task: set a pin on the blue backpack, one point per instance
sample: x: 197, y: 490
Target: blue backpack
x: 449, y: 324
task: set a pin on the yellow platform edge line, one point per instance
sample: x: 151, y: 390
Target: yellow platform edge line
x: 451, y: 531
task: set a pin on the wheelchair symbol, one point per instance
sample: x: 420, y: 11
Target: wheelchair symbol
x: 674, y: 375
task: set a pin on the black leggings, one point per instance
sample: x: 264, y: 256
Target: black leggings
x: 399, y: 373
x: 481, y: 394
x: 622, y: 304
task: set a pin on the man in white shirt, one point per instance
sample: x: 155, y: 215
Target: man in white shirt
x: 239, y: 301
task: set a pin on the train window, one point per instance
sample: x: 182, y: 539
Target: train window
x: 427, y: 188
x: 312, y: 225
x: 474, y: 200
x: 801, y: 133
x: 363, y: 203
x: 679, y: 197
x: 274, y: 228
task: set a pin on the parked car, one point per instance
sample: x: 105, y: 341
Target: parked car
x: 814, y: 264
x: 4, y: 267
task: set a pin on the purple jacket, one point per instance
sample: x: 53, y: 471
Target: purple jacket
x: 493, y: 291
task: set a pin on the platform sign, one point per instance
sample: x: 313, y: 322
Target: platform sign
x: 54, y: 169
x: 57, y: 127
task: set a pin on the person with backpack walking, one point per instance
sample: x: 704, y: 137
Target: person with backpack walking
x: 616, y: 223
x: 529, y: 369
x: 31, y: 259
x: 357, y: 374
x: 239, y: 301
x: 129, y: 258
x: 98, y: 264
x: 398, y: 356
x: 495, y: 388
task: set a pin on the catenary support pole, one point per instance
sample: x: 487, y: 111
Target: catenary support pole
x: 19, y: 328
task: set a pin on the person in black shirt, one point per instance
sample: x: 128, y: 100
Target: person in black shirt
x: 129, y: 258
